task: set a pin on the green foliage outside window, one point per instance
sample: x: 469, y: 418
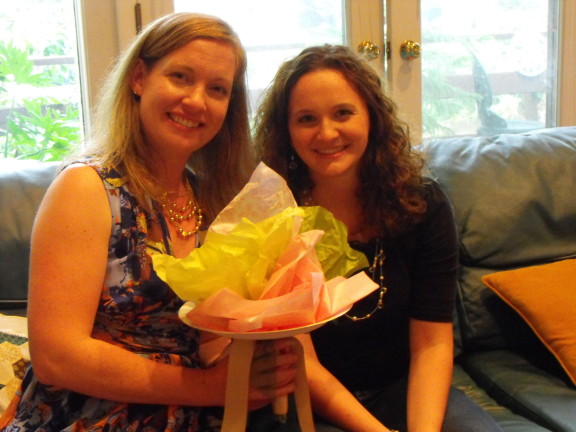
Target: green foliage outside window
x: 444, y: 104
x: 34, y: 127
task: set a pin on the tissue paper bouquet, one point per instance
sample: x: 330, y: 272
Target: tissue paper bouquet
x: 267, y: 265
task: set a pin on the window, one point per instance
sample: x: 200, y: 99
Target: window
x: 40, y: 107
x: 273, y: 31
x: 488, y: 68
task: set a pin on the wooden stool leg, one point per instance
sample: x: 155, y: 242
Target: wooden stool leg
x: 302, y: 395
x: 236, y: 404
x: 238, y: 380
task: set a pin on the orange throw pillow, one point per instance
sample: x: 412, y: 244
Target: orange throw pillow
x: 545, y: 297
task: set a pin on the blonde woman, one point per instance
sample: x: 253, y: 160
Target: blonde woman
x: 170, y: 149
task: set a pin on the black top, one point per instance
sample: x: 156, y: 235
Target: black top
x: 420, y: 272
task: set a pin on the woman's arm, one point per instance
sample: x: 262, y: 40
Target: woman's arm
x: 331, y: 400
x: 67, y: 269
x: 431, y: 359
x: 68, y: 265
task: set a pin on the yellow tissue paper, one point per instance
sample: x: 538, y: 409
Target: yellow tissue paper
x: 268, y: 264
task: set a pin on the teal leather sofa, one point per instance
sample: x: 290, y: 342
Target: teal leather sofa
x: 514, y: 198
x: 22, y: 186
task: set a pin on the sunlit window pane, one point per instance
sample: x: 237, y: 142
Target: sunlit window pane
x: 40, y: 109
x: 273, y: 31
x: 489, y: 67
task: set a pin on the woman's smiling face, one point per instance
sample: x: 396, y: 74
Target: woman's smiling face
x: 184, y: 96
x: 329, y: 124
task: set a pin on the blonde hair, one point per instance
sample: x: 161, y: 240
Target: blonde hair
x: 221, y: 166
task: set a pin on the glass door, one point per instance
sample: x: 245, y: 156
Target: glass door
x: 488, y: 67
x: 484, y: 68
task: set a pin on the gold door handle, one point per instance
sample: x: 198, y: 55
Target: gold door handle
x: 410, y: 50
x: 369, y: 50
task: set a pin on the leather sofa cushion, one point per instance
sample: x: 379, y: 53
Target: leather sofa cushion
x: 514, y: 205
x: 531, y: 389
x: 513, y: 195
x: 22, y: 187
x: 509, y: 421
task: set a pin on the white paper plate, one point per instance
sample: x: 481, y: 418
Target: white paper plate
x: 254, y: 335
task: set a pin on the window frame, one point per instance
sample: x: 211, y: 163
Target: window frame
x: 99, y: 49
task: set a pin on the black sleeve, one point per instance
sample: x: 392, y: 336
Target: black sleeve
x: 435, y: 260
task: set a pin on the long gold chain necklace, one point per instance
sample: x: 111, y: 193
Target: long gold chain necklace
x: 376, y: 269
x: 377, y: 272
x: 177, y: 215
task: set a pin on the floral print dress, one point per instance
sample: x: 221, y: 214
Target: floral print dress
x: 138, y: 312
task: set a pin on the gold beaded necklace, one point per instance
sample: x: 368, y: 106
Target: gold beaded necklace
x: 177, y: 215
x: 376, y: 271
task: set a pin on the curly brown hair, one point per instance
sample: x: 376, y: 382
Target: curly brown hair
x: 391, y: 184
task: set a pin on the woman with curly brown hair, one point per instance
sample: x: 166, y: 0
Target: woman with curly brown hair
x: 327, y: 127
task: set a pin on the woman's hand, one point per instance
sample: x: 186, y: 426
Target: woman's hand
x: 273, y: 371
